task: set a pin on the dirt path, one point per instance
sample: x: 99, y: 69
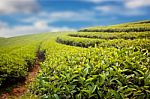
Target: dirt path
x: 22, y: 88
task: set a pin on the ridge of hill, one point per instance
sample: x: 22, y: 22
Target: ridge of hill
x: 125, y: 27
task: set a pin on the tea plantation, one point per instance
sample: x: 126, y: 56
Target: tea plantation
x: 104, y: 62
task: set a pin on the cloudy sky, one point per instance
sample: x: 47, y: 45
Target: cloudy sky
x: 20, y: 17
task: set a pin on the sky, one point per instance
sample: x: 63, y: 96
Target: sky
x: 22, y: 17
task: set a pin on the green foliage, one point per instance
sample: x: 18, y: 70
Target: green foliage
x: 103, y: 66
x: 110, y: 36
x: 77, y: 73
x: 15, y: 64
x: 111, y: 66
x: 127, y: 27
x: 117, y: 43
x: 17, y: 56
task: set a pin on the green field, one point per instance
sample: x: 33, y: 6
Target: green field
x: 103, y: 62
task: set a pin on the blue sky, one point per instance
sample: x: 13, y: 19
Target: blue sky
x: 21, y: 17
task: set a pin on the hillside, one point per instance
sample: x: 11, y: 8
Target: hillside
x: 102, y: 62
x: 126, y: 27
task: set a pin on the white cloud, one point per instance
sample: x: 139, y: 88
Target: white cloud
x: 42, y: 19
x: 67, y: 16
x: 132, y: 12
x: 129, y: 7
x: 100, y: 1
x: 127, y: 3
x: 118, y: 10
x: 94, y: 1
x: 2, y: 24
x: 40, y: 24
x: 14, y: 6
x: 105, y: 8
x: 133, y: 4
x: 37, y: 27
x: 72, y: 16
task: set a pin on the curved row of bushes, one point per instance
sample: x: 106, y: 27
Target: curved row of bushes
x: 109, y: 36
x: 117, y: 43
x: 93, y: 73
x: 127, y: 27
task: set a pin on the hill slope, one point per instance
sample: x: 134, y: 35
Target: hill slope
x: 126, y: 27
x: 111, y: 62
